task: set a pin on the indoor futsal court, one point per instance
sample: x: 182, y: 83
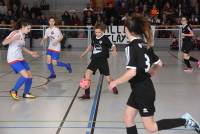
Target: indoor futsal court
x: 57, y: 109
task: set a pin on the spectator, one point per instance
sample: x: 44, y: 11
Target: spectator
x: 25, y: 15
x: 43, y: 20
x: 168, y: 12
x: 9, y: 16
x: 89, y: 19
x: 75, y: 19
x: 123, y: 10
x: 109, y: 11
x: 36, y: 9
x: 66, y: 18
x: 3, y: 8
x: 124, y: 18
x: 99, y: 20
x: 25, y: 8
x: 87, y: 9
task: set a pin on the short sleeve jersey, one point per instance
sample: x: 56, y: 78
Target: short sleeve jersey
x: 53, y: 34
x: 101, y: 47
x: 15, y: 48
x: 140, y: 58
x: 186, y: 30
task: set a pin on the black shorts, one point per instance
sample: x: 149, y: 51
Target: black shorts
x: 142, y: 98
x: 187, y: 45
x: 101, y: 65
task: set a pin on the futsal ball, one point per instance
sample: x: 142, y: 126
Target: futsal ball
x: 84, y: 83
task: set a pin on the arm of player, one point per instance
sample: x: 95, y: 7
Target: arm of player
x: 155, y: 67
x: 43, y: 41
x: 190, y: 34
x: 32, y: 53
x: 114, y: 50
x: 130, y: 73
x: 89, y: 47
x: 9, y: 39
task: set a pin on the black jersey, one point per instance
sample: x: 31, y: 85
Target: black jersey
x: 140, y: 58
x: 187, y: 30
x: 101, y: 47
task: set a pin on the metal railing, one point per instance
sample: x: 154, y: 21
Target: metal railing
x: 86, y: 31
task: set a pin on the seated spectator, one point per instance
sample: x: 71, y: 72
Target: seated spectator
x: 109, y: 11
x: 99, y: 20
x: 25, y: 15
x: 66, y: 18
x: 3, y: 8
x: 169, y: 12
x: 25, y: 8
x: 75, y: 19
x: 36, y: 9
x: 87, y: 9
x: 88, y: 20
x: 124, y: 18
x: 123, y: 10
x: 9, y: 16
x: 43, y: 20
x: 194, y: 20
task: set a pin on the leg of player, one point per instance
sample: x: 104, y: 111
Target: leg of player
x: 164, y: 124
x: 50, y: 67
x: 187, y: 63
x: 27, y: 87
x: 129, y: 118
x: 87, y: 76
x: 109, y: 79
x: 22, y: 79
x: 62, y: 64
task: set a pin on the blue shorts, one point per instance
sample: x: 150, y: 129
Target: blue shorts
x: 19, y: 66
x: 54, y: 55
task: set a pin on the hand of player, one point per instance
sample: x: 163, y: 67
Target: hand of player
x: 114, y: 53
x: 42, y: 43
x: 81, y: 56
x: 112, y: 85
x: 34, y: 54
x: 152, y: 72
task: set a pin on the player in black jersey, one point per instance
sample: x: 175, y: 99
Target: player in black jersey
x: 142, y: 63
x: 187, y: 45
x: 100, y: 47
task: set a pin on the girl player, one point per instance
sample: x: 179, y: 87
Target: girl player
x: 100, y: 53
x: 53, y: 52
x: 141, y: 64
x: 187, y: 45
x: 16, y: 41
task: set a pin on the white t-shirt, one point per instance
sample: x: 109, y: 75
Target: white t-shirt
x: 53, y: 34
x: 15, y: 48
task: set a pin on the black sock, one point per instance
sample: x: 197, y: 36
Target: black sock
x: 131, y: 130
x: 87, y: 91
x: 193, y: 59
x: 170, y: 123
x: 187, y: 63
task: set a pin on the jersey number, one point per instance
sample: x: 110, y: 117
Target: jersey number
x: 147, y: 63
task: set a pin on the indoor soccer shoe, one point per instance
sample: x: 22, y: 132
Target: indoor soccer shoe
x: 13, y: 94
x: 188, y: 70
x: 29, y: 96
x: 68, y: 67
x: 115, y: 91
x: 84, y: 97
x: 198, y: 64
x: 52, y: 76
x: 191, y: 123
